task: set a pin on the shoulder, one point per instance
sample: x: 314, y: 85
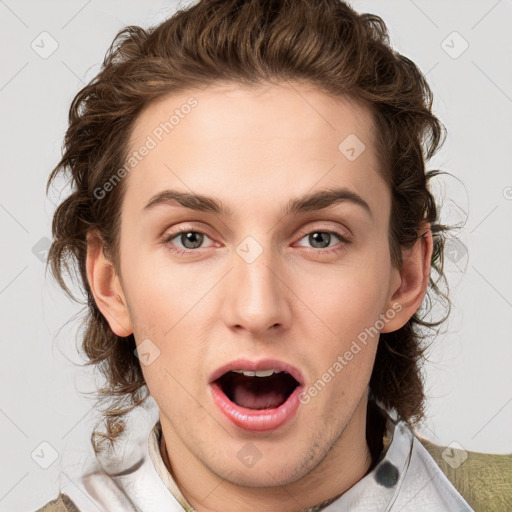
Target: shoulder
x: 484, y: 480
x: 62, y: 503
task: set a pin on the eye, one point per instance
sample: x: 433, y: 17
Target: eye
x: 191, y: 240
x: 320, y: 239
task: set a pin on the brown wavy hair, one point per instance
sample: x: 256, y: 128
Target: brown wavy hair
x: 324, y: 43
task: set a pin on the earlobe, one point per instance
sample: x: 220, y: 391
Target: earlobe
x: 413, y: 280
x: 106, y: 287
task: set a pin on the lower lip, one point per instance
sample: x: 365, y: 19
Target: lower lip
x: 256, y: 420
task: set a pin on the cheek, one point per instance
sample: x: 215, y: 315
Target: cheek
x: 347, y: 306
x: 158, y: 294
x: 348, y: 299
x: 170, y: 377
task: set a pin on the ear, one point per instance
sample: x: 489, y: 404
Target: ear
x: 410, y: 285
x: 106, y: 287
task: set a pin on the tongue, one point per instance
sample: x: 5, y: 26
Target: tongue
x: 259, y: 393
x: 268, y: 400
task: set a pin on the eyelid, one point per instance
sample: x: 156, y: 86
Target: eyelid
x: 185, y: 228
x: 342, y: 232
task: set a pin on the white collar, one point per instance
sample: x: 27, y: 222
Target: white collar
x: 406, y: 478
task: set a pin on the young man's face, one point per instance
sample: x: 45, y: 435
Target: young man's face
x: 257, y: 284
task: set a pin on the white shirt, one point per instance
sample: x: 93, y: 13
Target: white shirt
x: 405, y: 479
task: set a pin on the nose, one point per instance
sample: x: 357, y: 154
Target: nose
x: 258, y: 295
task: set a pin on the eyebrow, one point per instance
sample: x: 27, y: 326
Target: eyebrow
x: 307, y: 203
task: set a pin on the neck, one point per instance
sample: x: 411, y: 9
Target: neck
x: 351, y: 457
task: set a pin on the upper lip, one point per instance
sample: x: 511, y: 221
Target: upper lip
x: 262, y: 364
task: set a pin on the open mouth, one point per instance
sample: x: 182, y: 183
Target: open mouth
x: 267, y: 389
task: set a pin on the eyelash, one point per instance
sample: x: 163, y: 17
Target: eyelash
x: 182, y: 252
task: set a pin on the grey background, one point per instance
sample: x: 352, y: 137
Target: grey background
x: 42, y: 390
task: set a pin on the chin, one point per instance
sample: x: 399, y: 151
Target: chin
x: 268, y: 475
x: 265, y: 463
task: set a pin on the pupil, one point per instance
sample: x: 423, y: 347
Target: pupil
x: 320, y: 234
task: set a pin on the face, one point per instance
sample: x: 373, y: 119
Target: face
x: 215, y: 289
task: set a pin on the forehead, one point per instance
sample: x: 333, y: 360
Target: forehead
x: 288, y: 110
x: 253, y: 145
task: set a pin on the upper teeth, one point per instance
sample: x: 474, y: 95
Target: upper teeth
x: 258, y: 373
